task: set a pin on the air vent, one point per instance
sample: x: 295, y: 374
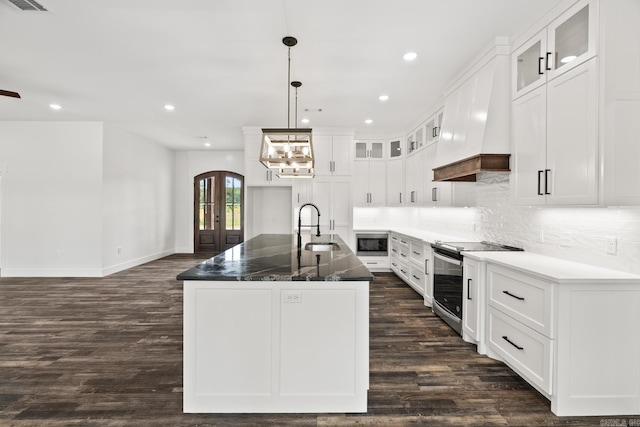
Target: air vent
x: 28, y: 5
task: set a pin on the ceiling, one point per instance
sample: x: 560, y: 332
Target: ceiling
x: 223, y: 65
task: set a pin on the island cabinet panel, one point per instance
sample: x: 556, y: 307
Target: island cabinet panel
x: 276, y: 346
x: 243, y: 363
x: 317, y: 348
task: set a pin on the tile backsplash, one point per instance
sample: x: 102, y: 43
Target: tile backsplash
x: 582, y: 234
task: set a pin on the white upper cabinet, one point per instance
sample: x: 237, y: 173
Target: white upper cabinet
x: 555, y: 155
x: 369, y: 181
x: 564, y: 44
x: 432, y: 127
x: 333, y: 154
x: 369, y: 150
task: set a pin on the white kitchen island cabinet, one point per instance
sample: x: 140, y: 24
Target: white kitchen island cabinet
x: 571, y: 330
x: 266, y: 333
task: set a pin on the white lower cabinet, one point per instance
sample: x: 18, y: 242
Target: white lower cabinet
x: 375, y: 263
x: 576, y: 340
x: 472, y: 302
x: 410, y: 259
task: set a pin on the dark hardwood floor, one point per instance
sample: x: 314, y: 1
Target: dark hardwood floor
x: 108, y: 352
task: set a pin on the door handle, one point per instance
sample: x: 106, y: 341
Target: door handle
x: 426, y: 267
x: 540, y: 59
x: 434, y: 194
x: 469, y: 289
x: 548, y: 67
x: 400, y: 197
x: 540, y: 183
x: 546, y: 181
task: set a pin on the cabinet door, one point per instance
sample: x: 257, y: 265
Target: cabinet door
x: 341, y: 212
x: 572, y: 38
x: 322, y: 199
x: 361, y: 183
x: 395, y: 148
x: 430, y: 129
x: 376, y: 150
x: 341, y: 155
x: 395, y: 182
x: 528, y: 67
x: 435, y: 193
x: 415, y: 179
x: 470, y: 299
x: 322, y: 150
x: 428, y: 274
x: 572, y: 136
x: 377, y: 183
x: 529, y: 147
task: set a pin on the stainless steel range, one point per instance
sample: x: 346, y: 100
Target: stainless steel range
x: 447, y: 277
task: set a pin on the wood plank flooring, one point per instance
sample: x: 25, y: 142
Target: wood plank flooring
x: 108, y: 352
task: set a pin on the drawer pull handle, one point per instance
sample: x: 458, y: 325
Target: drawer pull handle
x: 513, y: 296
x: 394, y: 264
x: 506, y: 338
x: 403, y: 272
x: 394, y: 250
x: 415, y: 277
x: 417, y: 253
x: 403, y: 255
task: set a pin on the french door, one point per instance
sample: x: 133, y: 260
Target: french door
x: 218, y: 210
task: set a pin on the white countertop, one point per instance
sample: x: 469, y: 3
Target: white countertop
x: 554, y: 269
x: 545, y: 267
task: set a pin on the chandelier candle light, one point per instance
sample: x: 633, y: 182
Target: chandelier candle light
x: 289, y: 150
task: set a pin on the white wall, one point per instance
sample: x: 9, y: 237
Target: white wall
x: 188, y: 165
x: 572, y: 233
x: 138, y: 200
x: 51, y: 198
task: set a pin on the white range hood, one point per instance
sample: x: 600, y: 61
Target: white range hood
x: 475, y: 130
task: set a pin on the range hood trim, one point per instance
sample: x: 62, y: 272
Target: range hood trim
x: 465, y: 170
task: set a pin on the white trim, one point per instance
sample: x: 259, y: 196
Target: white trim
x: 133, y: 263
x: 51, y: 272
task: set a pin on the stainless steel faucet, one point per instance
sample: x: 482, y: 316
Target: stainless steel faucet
x: 309, y: 225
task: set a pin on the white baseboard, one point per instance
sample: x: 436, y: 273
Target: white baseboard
x: 133, y: 263
x: 51, y: 272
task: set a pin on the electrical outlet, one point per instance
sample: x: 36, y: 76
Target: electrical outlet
x: 612, y: 246
x: 292, y: 296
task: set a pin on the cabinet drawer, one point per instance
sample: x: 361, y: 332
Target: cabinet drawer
x: 395, y: 264
x: 403, y: 271
x: 373, y: 263
x: 525, y: 298
x: 416, y: 251
x: 417, y: 279
x: 404, y: 253
x: 525, y: 350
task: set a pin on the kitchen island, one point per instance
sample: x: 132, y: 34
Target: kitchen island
x: 269, y: 327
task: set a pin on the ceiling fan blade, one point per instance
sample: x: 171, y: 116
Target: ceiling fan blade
x: 9, y: 93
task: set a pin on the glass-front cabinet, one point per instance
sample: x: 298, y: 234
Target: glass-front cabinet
x: 432, y: 128
x: 568, y: 41
x: 369, y: 150
x: 395, y: 149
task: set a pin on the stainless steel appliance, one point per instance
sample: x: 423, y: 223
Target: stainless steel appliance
x: 447, y: 277
x: 372, y: 244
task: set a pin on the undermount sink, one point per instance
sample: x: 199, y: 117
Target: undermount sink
x: 321, y: 246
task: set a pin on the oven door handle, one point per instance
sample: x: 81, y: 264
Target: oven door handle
x: 447, y: 259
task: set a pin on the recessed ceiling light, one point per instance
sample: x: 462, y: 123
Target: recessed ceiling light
x: 169, y: 107
x: 383, y: 97
x: 410, y: 56
x: 368, y: 121
x: 305, y: 120
x: 55, y: 106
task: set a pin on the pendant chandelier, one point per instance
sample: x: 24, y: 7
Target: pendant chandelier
x: 288, y: 150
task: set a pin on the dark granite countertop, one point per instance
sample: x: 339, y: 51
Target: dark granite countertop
x: 274, y: 257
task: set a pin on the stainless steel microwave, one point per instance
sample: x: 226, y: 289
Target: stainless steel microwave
x: 372, y: 244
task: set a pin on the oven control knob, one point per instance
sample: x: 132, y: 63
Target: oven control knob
x: 458, y: 308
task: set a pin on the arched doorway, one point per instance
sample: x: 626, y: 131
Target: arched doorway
x: 218, y: 211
